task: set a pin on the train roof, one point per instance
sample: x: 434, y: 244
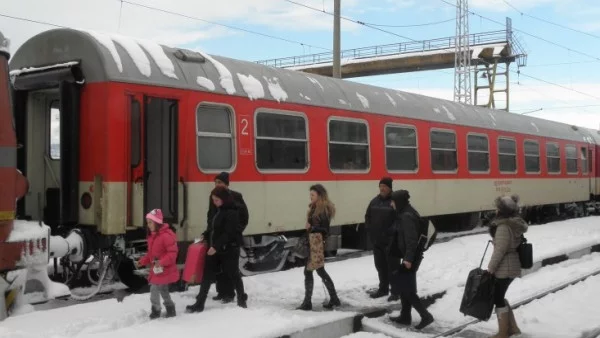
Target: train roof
x: 118, y: 58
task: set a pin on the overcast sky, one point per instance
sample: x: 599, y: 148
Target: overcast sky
x: 568, y: 92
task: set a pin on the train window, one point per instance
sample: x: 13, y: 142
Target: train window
x: 55, y: 130
x: 478, y: 153
x: 584, y: 161
x: 507, y: 155
x: 553, y: 157
x: 281, y: 141
x: 571, y: 155
x: 443, y: 150
x: 532, y: 156
x: 348, y: 145
x: 401, y: 148
x: 590, y: 161
x: 214, y: 124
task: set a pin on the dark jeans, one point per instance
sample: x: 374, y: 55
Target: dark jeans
x: 382, y: 265
x: 500, y: 289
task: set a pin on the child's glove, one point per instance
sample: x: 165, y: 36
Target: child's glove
x: 157, y: 268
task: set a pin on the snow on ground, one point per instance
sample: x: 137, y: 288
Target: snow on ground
x: 446, y: 310
x: 566, y: 313
x: 273, y: 296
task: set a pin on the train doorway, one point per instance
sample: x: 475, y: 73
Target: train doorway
x: 46, y: 105
x: 161, y: 157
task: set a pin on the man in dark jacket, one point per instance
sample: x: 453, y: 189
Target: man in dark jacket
x: 405, y: 257
x: 379, y: 218
x: 225, y: 291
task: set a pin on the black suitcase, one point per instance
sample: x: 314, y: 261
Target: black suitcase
x: 478, y: 297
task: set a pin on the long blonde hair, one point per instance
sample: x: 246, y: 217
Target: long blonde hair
x: 323, y: 205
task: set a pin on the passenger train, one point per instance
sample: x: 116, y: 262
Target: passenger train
x: 110, y: 126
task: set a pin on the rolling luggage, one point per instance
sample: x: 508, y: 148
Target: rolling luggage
x: 194, y: 263
x: 478, y: 297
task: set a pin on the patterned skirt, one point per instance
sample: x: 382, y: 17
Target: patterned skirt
x: 316, y: 258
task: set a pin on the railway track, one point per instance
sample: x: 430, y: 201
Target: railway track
x: 463, y: 330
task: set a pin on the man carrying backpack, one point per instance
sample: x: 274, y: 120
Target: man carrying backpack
x: 225, y: 291
x: 406, y: 252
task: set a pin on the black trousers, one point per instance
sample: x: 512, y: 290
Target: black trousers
x: 500, y: 289
x: 227, y: 264
x: 382, y: 265
x: 224, y: 285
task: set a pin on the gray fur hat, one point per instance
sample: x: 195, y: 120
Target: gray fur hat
x: 507, y: 205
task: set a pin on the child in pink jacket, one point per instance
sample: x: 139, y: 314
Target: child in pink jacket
x: 161, y: 256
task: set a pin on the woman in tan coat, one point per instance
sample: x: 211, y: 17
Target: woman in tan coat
x: 506, y: 230
x: 320, y: 213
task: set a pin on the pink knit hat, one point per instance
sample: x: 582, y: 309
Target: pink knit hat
x: 156, y: 216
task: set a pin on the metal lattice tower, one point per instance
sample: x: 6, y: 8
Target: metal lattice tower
x: 462, y: 60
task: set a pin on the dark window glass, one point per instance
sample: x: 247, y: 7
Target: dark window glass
x: 281, y: 142
x: 401, y: 148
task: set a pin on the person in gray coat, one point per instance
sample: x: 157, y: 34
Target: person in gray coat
x: 506, y: 230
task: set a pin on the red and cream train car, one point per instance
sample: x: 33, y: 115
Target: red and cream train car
x: 147, y: 126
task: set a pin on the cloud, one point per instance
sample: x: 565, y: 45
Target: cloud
x: 114, y: 16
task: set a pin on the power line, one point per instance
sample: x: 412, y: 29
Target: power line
x: 529, y: 34
x: 32, y: 21
x: 414, y: 25
x: 221, y: 24
x: 559, y: 107
x: 550, y: 22
x: 350, y: 20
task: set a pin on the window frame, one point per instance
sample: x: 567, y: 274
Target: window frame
x: 233, y: 136
x: 584, y: 168
x: 349, y: 119
x: 455, y: 149
x: 567, y: 158
x: 516, y: 154
x: 559, y: 159
x: 385, y: 145
x: 539, y: 156
x: 256, y: 138
x: 489, y: 153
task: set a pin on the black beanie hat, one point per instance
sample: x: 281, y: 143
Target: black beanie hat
x: 387, y: 181
x: 223, y: 177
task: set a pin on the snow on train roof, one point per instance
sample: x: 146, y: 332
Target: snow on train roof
x: 123, y: 59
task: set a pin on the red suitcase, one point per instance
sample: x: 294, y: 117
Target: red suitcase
x: 194, y: 263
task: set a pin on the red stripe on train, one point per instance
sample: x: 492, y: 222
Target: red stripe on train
x: 105, y: 139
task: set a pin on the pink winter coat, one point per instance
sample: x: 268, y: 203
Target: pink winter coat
x: 162, y: 245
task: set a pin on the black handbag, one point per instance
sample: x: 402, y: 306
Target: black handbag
x: 478, y: 297
x: 525, y: 251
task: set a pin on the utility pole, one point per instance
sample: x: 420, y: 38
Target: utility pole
x: 462, y: 58
x: 337, y: 71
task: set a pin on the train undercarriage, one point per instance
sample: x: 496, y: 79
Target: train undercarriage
x: 81, y: 258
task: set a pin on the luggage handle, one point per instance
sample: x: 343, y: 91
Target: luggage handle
x: 484, y: 252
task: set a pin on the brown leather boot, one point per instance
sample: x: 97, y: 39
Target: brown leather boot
x: 513, y: 329
x: 503, y: 322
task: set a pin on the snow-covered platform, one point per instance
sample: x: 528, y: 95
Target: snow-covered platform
x: 274, y: 296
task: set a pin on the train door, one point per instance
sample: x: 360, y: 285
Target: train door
x: 47, y: 113
x: 161, y: 189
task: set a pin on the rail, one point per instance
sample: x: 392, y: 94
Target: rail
x: 501, y: 36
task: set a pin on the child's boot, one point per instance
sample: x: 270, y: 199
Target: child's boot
x: 155, y: 313
x: 170, y: 311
